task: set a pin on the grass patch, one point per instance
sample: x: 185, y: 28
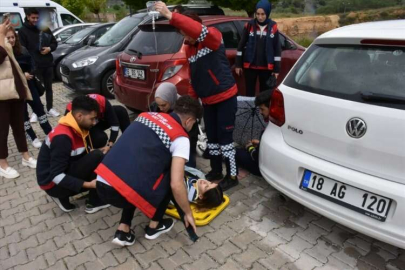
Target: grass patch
x: 304, y: 41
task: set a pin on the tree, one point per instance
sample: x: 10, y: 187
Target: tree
x: 74, y: 6
x: 136, y: 4
x: 95, y: 6
x: 247, y: 5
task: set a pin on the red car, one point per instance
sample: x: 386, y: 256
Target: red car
x: 158, y: 56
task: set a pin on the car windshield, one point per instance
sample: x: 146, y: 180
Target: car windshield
x: 118, y: 31
x: 348, y: 72
x: 164, y: 40
x: 79, y: 36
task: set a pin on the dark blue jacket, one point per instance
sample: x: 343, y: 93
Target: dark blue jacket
x: 138, y: 166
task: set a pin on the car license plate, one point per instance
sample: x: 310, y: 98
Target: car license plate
x: 367, y: 203
x: 65, y: 80
x: 134, y: 73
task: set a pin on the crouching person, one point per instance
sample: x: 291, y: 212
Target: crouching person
x: 66, y: 161
x: 146, y: 165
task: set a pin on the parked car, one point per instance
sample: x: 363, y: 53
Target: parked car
x: 77, y: 41
x: 144, y: 65
x: 57, y: 15
x: 63, y: 33
x: 90, y: 68
x: 336, y: 139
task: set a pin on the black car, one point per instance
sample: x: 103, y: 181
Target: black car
x: 91, y: 68
x: 77, y: 41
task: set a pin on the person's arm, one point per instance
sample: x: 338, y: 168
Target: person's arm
x: 61, y: 147
x: 277, y: 51
x: 111, y: 118
x: 54, y: 44
x: 179, y: 190
x: 3, y: 31
x: 23, y: 38
x: 241, y: 46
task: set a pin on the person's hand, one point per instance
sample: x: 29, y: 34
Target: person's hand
x: 4, y: 27
x: 238, y: 71
x: 91, y: 184
x: 255, y: 142
x: 105, y: 149
x: 28, y: 76
x: 189, y: 221
x: 276, y: 75
x: 162, y: 9
x: 45, y: 50
x: 249, y: 144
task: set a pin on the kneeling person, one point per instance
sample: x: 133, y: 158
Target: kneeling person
x: 66, y: 161
x: 146, y: 165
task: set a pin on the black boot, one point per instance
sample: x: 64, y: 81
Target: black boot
x: 229, y: 182
x: 216, y: 169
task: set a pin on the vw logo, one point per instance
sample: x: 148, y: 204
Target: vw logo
x: 356, y: 127
x: 133, y: 58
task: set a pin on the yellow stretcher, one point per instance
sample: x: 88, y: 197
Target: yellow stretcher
x: 201, y: 218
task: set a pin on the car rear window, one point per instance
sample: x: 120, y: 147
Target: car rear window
x: 164, y: 40
x: 351, y: 72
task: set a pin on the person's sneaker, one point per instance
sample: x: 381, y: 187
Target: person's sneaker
x: 213, y: 176
x: 64, y: 204
x: 34, y: 118
x: 31, y: 162
x: 164, y: 226
x: 123, y: 239
x: 36, y: 143
x: 228, y: 182
x: 93, y: 208
x: 52, y: 112
x: 9, y: 173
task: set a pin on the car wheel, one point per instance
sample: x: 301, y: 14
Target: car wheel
x: 58, y: 76
x: 107, y: 85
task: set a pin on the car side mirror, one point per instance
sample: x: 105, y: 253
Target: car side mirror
x: 59, y: 39
x: 91, y: 40
x: 288, y: 45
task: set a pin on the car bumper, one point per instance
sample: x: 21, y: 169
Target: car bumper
x: 283, y: 167
x: 81, y: 80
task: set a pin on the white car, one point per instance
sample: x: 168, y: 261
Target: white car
x: 336, y: 141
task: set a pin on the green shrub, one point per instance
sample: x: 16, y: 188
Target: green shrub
x: 305, y: 41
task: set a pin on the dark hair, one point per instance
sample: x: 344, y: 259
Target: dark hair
x: 193, y: 15
x: 211, y: 198
x: 263, y: 98
x: 180, y: 8
x: 17, y: 49
x: 85, y: 105
x: 187, y: 105
x: 30, y: 11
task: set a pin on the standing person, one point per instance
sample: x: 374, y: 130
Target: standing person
x: 212, y: 81
x: 67, y: 160
x: 259, y: 50
x: 109, y: 116
x: 165, y: 99
x: 40, y: 42
x: 14, y: 92
x: 24, y: 59
x: 248, y: 158
x: 143, y: 172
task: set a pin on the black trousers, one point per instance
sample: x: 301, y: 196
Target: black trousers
x: 45, y: 74
x: 251, y: 79
x: 245, y: 160
x: 110, y: 196
x: 219, y: 125
x: 38, y: 109
x: 97, y: 134
x: 82, y: 169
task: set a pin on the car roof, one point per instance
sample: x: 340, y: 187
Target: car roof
x: 101, y: 24
x: 211, y: 19
x: 384, y: 30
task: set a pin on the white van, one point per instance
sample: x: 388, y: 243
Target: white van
x: 57, y: 15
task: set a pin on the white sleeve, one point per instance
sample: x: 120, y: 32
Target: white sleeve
x: 181, y: 148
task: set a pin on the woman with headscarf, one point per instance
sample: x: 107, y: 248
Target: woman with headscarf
x: 259, y: 50
x: 165, y: 98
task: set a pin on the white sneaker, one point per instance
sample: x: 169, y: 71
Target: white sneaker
x: 34, y: 118
x: 36, y: 143
x: 9, y: 173
x: 31, y: 162
x: 52, y: 112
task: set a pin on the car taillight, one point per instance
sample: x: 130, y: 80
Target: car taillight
x: 172, y: 67
x: 277, y: 113
x: 118, y: 66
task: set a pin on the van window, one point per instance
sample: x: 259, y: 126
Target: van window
x: 15, y: 19
x: 167, y: 41
x: 349, y: 72
x: 68, y: 19
x: 118, y: 31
